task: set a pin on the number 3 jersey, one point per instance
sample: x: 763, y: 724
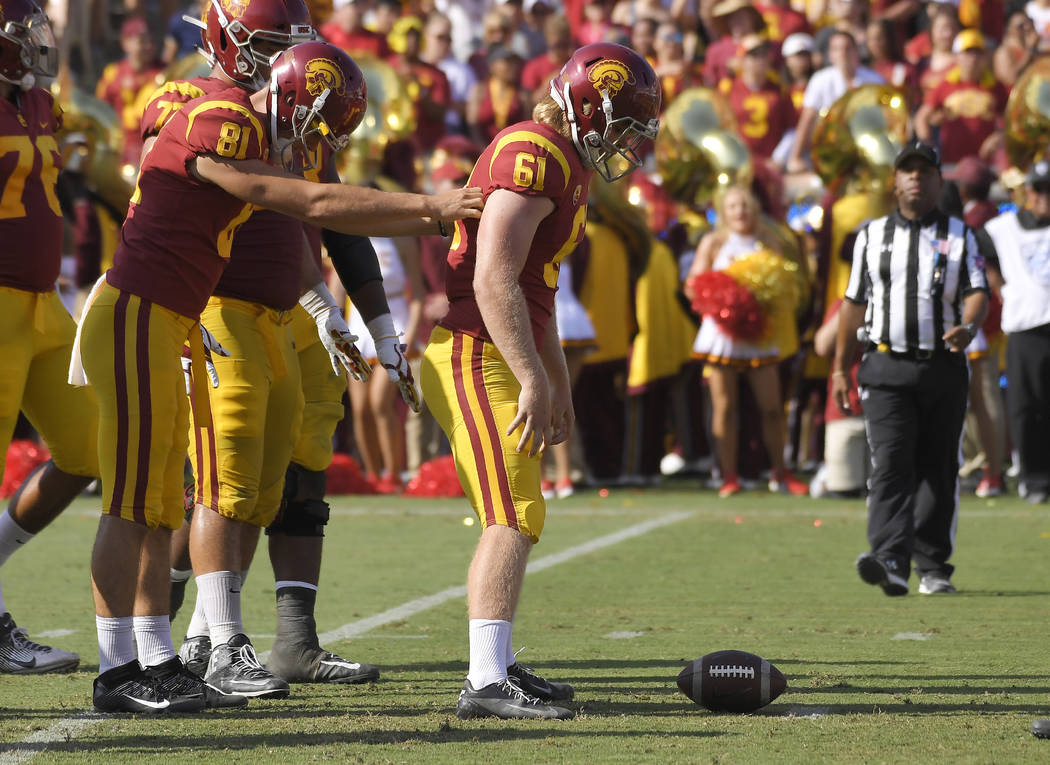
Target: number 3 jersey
x: 30, y: 217
x: 177, y: 238
x: 531, y: 159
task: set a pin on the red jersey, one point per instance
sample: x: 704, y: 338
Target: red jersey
x: 179, y: 232
x: 263, y: 267
x: 30, y: 217
x: 122, y: 88
x: 356, y: 43
x: 429, y: 90
x: 762, y: 116
x: 782, y: 21
x: 538, y: 71
x: 530, y: 159
x: 972, y: 111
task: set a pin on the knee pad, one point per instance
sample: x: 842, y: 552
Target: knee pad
x: 303, y: 513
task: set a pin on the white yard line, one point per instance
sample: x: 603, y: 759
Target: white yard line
x: 70, y: 727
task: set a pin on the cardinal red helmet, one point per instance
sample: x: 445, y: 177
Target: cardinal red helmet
x: 316, y: 91
x: 242, y: 35
x: 611, y: 99
x: 27, y: 43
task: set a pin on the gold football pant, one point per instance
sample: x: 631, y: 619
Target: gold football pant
x: 322, y: 392
x: 474, y: 397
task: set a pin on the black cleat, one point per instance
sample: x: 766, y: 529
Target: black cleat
x: 174, y: 679
x: 506, y: 700
x: 129, y: 688
x: 543, y: 689
x: 875, y: 571
x: 311, y: 664
x: 195, y: 653
x: 21, y: 656
x: 234, y: 669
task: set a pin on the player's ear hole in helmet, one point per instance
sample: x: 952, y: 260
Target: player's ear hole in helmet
x: 317, y: 94
x: 27, y: 44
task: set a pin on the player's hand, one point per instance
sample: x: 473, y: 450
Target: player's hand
x: 958, y: 338
x: 391, y: 355
x: 563, y: 417
x: 457, y: 204
x: 840, y: 386
x: 533, y: 417
x: 339, y: 341
x: 211, y: 345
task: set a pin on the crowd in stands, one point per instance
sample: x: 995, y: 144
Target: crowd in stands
x: 649, y: 402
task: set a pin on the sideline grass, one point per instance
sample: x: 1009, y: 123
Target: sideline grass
x: 753, y: 572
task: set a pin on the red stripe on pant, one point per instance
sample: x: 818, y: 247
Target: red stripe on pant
x: 145, y: 410
x: 494, y: 436
x: 120, y: 376
x: 205, y: 438
x: 472, y: 427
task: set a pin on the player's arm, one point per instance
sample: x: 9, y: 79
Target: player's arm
x: 504, y: 239
x: 348, y: 209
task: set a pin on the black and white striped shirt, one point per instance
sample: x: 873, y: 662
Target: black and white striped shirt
x: 913, y: 276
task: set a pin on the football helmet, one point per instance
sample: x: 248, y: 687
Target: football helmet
x: 317, y: 92
x: 27, y: 44
x: 611, y: 99
x: 242, y: 35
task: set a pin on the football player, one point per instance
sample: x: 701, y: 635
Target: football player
x: 199, y: 183
x: 36, y: 331
x: 243, y: 483
x: 494, y: 374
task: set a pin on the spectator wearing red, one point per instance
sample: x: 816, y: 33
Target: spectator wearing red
x: 763, y: 109
x: 125, y: 83
x: 939, y: 59
x: 967, y: 105
x: 797, y: 52
x: 537, y: 73
x: 427, y: 85
x: 732, y: 20
x: 499, y: 100
x: 888, y: 60
x: 1019, y: 48
x: 346, y: 29
x: 597, y: 21
x: 782, y: 20
x: 675, y: 70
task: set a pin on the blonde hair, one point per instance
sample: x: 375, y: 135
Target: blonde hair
x: 549, y: 113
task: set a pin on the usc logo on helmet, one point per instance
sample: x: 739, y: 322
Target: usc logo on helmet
x: 235, y: 8
x: 321, y: 74
x: 611, y: 75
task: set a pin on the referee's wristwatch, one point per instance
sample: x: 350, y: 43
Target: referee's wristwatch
x: 971, y: 328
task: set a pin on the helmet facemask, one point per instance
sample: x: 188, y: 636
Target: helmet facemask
x: 39, y: 52
x: 300, y: 152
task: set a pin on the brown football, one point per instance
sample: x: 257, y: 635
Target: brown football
x: 731, y: 681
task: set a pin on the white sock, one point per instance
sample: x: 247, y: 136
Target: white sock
x: 12, y: 537
x: 510, y: 644
x: 153, y: 637
x: 198, y: 626
x: 488, y: 650
x: 116, y: 641
x: 181, y: 575
x: 221, y: 593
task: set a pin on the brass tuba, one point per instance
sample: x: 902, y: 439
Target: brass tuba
x: 859, y: 137
x: 698, y: 151
x: 390, y: 116
x: 1028, y: 115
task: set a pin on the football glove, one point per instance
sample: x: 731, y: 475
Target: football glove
x: 335, y: 335
x: 391, y: 354
x: 211, y: 345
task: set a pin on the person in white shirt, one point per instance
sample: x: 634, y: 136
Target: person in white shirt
x: 825, y: 88
x: 437, y: 51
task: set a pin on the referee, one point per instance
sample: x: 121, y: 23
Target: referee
x: 918, y: 289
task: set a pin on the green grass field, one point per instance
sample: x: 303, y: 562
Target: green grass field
x: 871, y: 679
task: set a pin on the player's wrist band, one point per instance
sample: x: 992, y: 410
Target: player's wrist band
x: 441, y: 228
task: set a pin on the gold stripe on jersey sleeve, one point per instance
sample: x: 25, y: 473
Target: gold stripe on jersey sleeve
x: 539, y: 140
x: 208, y: 105
x: 184, y: 88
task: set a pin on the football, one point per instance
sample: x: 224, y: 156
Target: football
x: 731, y: 681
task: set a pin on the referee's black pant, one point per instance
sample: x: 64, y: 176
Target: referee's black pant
x: 913, y: 411
x: 1028, y: 403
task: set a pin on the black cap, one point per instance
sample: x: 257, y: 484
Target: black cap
x: 918, y: 149
x: 1040, y: 173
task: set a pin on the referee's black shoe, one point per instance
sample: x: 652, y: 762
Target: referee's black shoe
x: 875, y: 571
